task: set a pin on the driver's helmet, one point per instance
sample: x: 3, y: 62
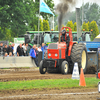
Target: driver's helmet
x: 63, y: 32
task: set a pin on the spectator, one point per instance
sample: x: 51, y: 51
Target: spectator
x: 45, y: 50
x: 39, y: 48
x: 42, y: 48
x: 10, y: 54
x: 33, y: 54
x: 6, y: 55
x: 9, y: 49
x: 13, y: 47
x: 27, y: 49
x: 20, y: 50
x: 37, y: 52
x: 5, y: 49
x: 35, y: 47
x: 1, y: 49
x: 24, y: 49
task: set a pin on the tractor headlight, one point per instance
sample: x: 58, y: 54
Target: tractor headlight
x: 49, y: 54
x: 56, y: 55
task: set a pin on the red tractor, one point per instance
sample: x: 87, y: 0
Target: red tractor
x: 62, y: 55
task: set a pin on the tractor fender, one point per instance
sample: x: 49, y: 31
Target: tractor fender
x: 70, y: 47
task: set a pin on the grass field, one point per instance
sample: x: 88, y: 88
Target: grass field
x: 48, y: 83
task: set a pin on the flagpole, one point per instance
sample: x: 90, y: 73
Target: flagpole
x: 38, y: 23
x: 53, y: 22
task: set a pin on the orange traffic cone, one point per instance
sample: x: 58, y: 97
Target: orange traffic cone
x: 82, y: 79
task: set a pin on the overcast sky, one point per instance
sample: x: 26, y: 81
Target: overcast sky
x: 79, y: 3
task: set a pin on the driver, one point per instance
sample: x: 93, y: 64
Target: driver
x: 65, y: 36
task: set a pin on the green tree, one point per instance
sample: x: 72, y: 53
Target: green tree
x: 45, y: 16
x: 16, y: 16
x: 70, y: 24
x: 41, y: 25
x: 46, y: 25
x: 94, y: 27
x: 89, y: 26
x: 75, y: 26
x: 56, y: 28
x: 34, y: 24
x: 8, y: 35
x: 92, y: 12
x: 85, y: 26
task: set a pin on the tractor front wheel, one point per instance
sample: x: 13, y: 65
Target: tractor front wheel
x: 41, y: 68
x: 64, y: 67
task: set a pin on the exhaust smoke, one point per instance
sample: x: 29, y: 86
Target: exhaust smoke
x: 62, y: 8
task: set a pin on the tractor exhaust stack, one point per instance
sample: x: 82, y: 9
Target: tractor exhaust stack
x: 59, y: 37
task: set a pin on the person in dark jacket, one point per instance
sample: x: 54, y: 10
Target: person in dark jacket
x: 5, y: 49
x: 9, y: 49
x: 13, y: 47
x: 20, y: 50
x: 37, y: 52
x: 1, y: 49
x: 33, y: 54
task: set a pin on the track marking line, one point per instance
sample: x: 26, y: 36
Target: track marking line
x: 20, y: 96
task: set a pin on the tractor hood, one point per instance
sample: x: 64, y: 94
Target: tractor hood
x: 61, y: 45
x: 56, y: 50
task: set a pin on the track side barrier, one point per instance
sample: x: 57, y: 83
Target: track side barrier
x: 24, y: 61
x: 11, y: 62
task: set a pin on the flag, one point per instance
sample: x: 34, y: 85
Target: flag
x: 44, y: 8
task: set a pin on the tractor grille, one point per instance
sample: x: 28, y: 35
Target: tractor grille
x: 53, y: 46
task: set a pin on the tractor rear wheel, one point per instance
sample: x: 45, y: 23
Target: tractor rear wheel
x: 41, y: 68
x: 64, y: 67
x: 79, y: 55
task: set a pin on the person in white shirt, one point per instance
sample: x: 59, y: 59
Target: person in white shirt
x: 39, y: 49
x: 24, y: 49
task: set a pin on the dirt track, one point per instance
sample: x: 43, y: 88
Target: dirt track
x: 53, y: 94
x: 44, y: 94
x: 30, y: 74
